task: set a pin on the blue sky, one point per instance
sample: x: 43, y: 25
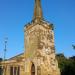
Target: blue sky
x: 14, y: 14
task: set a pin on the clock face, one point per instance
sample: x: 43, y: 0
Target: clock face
x: 47, y: 51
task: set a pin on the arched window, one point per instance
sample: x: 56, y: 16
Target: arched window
x: 18, y: 72
x: 11, y: 70
x: 33, y: 69
x: 15, y: 70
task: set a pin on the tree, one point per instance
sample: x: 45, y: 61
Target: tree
x: 66, y: 65
x: 73, y: 47
x: 1, y: 59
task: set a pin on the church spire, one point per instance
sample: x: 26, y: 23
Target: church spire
x: 37, y: 10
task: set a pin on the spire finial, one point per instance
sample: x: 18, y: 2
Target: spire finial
x: 37, y: 10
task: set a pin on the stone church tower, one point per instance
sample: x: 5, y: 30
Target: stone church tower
x: 39, y: 45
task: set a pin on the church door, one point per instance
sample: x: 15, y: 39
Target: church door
x: 33, y: 69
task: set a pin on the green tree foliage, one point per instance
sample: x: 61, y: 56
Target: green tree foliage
x: 1, y: 59
x: 66, y: 65
x: 73, y: 47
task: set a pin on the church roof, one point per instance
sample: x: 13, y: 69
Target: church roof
x: 21, y: 55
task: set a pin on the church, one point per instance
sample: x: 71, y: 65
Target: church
x: 39, y: 57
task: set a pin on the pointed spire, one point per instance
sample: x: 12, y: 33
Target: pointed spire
x: 37, y: 10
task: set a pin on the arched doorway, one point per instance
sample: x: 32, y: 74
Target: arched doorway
x: 33, y: 69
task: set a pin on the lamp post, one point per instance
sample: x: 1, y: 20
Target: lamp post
x: 5, y: 49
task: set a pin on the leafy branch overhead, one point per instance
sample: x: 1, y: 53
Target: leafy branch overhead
x: 73, y: 46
